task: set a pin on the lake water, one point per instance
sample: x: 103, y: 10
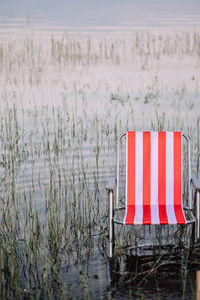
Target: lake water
x: 50, y: 16
x: 73, y: 76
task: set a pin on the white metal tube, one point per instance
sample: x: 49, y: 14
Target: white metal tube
x: 189, y: 171
x: 117, y: 185
x: 118, y: 159
x: 189, y: 176
x: 111, y: 236
x: 198, y: 214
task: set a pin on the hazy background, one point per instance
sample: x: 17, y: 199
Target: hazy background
x: 97, y: 14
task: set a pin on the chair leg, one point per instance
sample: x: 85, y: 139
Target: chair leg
x: 111, y: 236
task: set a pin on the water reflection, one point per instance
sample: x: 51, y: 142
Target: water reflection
x: 153, y: 275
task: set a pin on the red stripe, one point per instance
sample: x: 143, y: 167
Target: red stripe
x: 162, y: 177
x: 130, y: 214
x: 146, y: 177
x: 178, y: 178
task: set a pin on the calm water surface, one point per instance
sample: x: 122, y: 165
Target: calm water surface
x: 108, y: 85
x: 97, y: 15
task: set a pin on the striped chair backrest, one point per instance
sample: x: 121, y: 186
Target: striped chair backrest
x: 154, y: 178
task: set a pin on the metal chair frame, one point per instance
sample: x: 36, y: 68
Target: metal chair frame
x: 114, y: 184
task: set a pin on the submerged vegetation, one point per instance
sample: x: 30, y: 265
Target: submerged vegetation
x: 64, y: 101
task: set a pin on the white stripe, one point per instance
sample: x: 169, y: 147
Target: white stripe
x: 170, y: 178
x: 138, y: 177
x: 182, y: 177
x: 154, y: 179
x: 126, y: 177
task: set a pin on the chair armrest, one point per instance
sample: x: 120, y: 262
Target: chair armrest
x: 111, y: 184
x: 196, y: 183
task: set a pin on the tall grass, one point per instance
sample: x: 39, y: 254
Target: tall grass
x: 55, y: 159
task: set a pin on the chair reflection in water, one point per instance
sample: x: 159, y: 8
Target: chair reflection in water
x: 154, y: 182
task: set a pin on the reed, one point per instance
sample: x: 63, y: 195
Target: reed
x: 56, y: 159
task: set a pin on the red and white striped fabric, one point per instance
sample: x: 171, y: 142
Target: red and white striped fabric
x: 154, y: 178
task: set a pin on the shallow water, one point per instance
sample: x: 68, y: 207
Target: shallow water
x: 65, y: 97
x: 60, y: 117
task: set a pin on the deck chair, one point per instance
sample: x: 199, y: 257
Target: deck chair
x: 154, y: 184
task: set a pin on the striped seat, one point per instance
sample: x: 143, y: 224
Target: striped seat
x: 154, y: 178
